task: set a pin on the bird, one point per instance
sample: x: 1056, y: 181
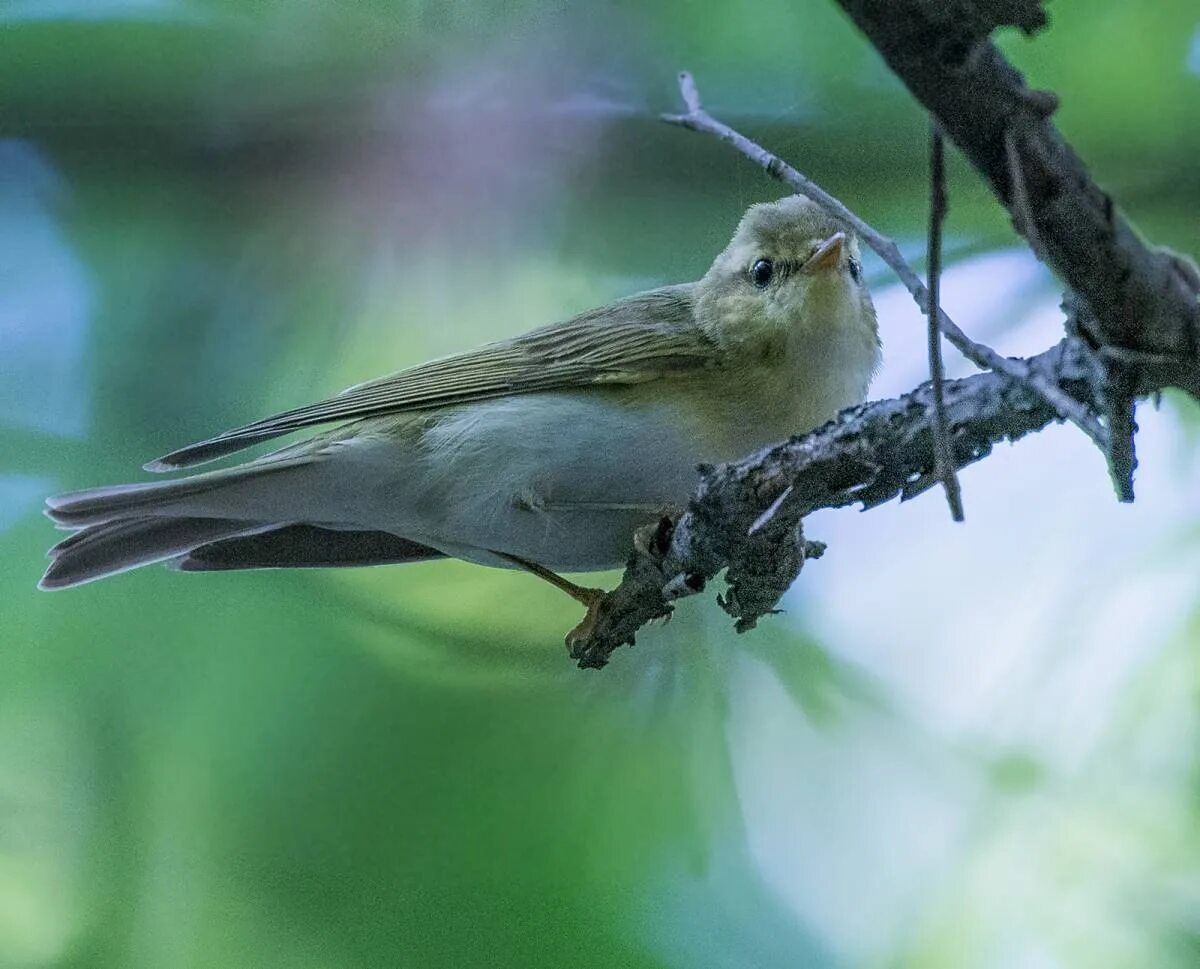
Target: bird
x: 544, y: 452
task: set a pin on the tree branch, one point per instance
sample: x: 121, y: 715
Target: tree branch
x: 937, y: 217
x: 1136, y: 299
x: 868, y: 455
x: 1133, y: 319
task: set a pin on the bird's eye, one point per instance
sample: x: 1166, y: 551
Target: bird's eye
x: 855, y: 269
x: 761, y: 272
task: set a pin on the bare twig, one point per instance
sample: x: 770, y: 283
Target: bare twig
x: 1023, y: 215
x: 1122, y: 454
x: 1117, y: 404
x: 697, y: 119
x: 943, y: 454
x: 1116, y: 395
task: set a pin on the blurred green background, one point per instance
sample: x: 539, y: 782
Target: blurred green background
x: 962, y: 746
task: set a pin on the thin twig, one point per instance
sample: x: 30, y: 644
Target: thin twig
x: 1117, y: 410
x: 1020, y: 196
x: 942, y: 453
x: 697, y: 119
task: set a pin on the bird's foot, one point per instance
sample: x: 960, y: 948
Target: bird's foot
x: 591, y: 598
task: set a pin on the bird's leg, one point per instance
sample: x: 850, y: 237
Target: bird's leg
x: 590, y: 598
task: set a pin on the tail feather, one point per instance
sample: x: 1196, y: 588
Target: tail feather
x: 255, y: 515
x: 181, y: 498
x: 303, y: 547
x: 108, y: 548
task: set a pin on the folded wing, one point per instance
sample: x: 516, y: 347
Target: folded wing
x: 638, y: 339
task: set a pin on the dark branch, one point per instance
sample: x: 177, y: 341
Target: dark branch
x: 1134, y: 296
x: 868, y: 455
x: 937, y: 218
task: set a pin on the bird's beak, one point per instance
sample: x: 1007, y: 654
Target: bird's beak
x: 828, y: 254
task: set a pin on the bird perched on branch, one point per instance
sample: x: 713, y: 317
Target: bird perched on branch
x: 544, y: 452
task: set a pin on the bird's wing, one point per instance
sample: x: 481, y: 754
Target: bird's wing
x: 635, y: 340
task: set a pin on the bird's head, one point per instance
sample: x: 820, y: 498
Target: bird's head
x: 789, y: 270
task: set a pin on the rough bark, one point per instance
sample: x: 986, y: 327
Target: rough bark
x: 746, y: 516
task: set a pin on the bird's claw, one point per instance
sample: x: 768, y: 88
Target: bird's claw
x: 587, y: 625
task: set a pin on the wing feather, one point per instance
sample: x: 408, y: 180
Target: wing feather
x: 638, y: 339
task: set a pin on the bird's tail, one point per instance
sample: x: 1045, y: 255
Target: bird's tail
x: 256, y: 515
x: 97, y: 551
x: 248, y: 492
x: 126, y: 526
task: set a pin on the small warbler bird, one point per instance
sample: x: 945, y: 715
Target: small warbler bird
x: 545, y: 452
